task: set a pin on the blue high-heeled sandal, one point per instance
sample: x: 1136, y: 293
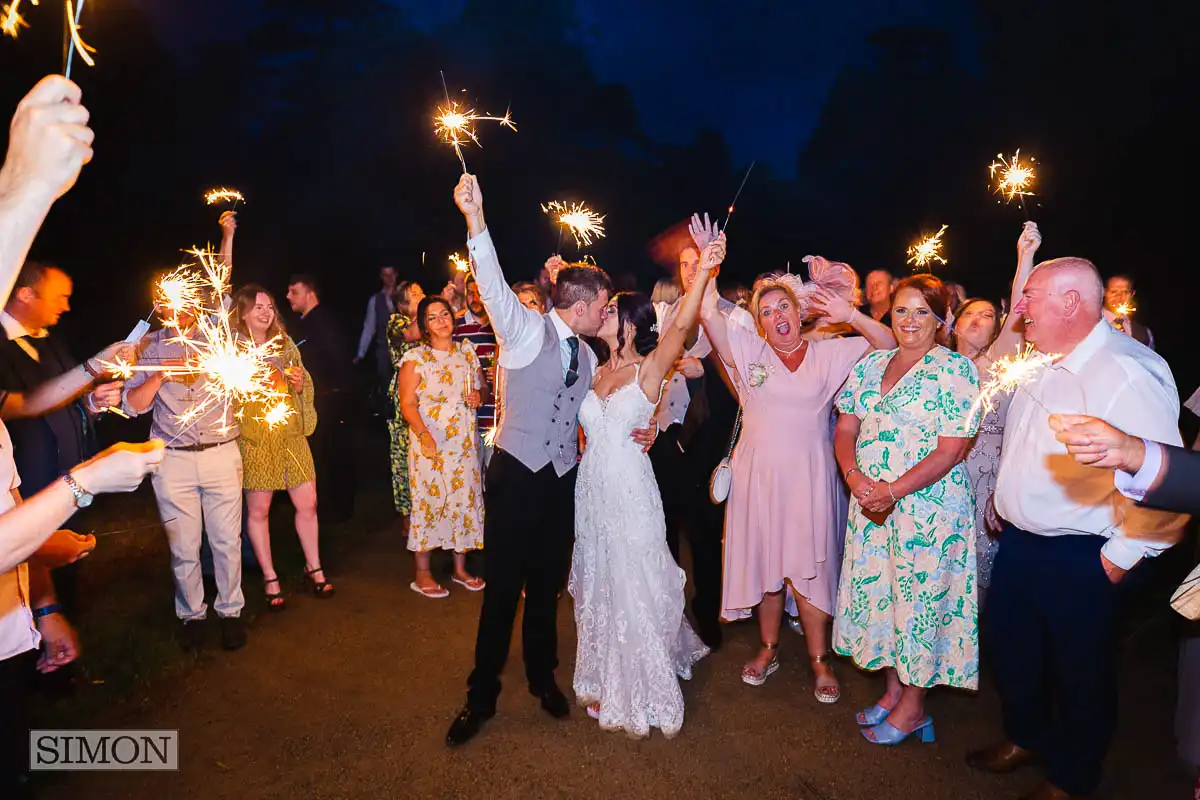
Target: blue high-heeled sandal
x: 886, y: 733
x: 870, y: 717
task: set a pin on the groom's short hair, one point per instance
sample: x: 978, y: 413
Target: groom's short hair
x: 579, y: 282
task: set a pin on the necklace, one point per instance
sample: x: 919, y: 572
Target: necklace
x: 783, y: 352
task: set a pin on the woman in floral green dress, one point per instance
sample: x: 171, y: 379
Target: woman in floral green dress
x: 403, y: 335
x: 907, y: 599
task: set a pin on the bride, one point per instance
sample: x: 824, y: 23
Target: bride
x: 634, y: 642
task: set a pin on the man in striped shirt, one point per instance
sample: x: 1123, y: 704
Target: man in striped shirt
x: 476, y: 328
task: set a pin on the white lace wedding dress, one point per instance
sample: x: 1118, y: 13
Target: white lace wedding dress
x: 634, y: 642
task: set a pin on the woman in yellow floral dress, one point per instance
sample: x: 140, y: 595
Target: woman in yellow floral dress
x: 440, y: 386
x: 275, y: 454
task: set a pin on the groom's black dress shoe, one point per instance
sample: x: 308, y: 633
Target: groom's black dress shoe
x: 466, y: 725
x: 553, y: 701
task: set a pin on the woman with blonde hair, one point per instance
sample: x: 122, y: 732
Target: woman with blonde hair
x: 785, y: 516
x: 275, y: 455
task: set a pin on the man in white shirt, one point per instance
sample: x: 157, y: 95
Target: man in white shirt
x: 1071, y: 536
x: 380, y: 308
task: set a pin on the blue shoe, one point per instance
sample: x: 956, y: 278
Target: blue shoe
x: 870, y: 717
x: 886, y: 733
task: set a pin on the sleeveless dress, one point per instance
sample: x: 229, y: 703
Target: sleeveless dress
x: 634, y: 643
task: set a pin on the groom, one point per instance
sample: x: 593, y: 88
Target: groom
x: 529, y: 520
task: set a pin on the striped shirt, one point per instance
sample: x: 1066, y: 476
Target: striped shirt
x: 470, y: 329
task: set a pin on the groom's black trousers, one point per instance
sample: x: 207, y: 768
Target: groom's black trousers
x: 528, y: 533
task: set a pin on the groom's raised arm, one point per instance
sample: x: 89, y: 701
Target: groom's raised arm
x: 518, y: 329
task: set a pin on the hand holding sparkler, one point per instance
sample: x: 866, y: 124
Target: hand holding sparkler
x: 554, y: 264
x: 469, y: 199
x: 295, y: 378
x: 1029, y: 241
x: 64, y: 547
x: 120, y: 468
x: 49, y: 142
x: 228, y: 222
x: 713, y: 254
x: 1095, y: 443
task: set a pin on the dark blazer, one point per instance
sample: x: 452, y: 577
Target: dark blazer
x: 1178, y: 485
x: 325, y: 350
x: 46, y: 447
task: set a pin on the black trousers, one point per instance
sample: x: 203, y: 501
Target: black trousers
x: 1051, y: 629
x: 684, y: 489
x: 16, y: 680
x: 333, y: 456
x: 528, y: 534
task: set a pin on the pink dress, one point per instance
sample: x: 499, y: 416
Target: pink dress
x: 786, y: 515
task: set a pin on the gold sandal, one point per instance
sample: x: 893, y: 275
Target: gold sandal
x: 752, y: 676
x: 826, y: 694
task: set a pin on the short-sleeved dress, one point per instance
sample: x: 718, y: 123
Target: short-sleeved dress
x: 397, y: 427
x: 908, y: 593
x: 447, y: 491
x: 278, y: 458
x: 786, y: 514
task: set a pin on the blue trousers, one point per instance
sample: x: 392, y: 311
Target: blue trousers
x: 1051, y: 631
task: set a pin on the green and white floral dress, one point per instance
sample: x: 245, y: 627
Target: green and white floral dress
x: 907, y: 597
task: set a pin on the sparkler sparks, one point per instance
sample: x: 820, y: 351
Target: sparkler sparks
x: 1124, y: 310
x: 278, y: 413
x: 928, y: 250
x: 13, y: 21
x: 77, y: 44
x: 459, y: 263
x: 457, y: 127
x: 583, y: 223
x: 224, y: 195
x: 1010, y: 373
x: 1015, y: 177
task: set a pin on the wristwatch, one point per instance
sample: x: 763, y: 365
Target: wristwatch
x: 83, y: 498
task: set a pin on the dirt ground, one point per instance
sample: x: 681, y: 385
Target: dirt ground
x: 351, y: 698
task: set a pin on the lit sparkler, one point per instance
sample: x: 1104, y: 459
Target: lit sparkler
x: 928, y: 250
x: 77, y: 44
x: 1015, y: 177
x: 1124, y: 310
x: 459, y: 263
x: 277, y: 413
x: 13, y: 21
x: 457, y: 126
x: 1010, y: 373
x: 224, y: 195
x: 583, y: 223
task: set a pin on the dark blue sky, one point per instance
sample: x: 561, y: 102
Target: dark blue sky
x: 756, y: 70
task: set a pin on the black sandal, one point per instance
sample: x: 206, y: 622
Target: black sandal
x: 275, y: 600
x: 322, y: 590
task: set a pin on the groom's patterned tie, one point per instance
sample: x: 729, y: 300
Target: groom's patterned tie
x: 573, y: 366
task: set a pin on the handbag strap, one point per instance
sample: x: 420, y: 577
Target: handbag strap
x: 737, y: 427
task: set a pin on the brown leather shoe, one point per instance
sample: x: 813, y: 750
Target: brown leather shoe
x: 1048, y: 791
x: 1001, y: 758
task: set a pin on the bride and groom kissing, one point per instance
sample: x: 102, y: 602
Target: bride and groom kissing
x: 548, y: 511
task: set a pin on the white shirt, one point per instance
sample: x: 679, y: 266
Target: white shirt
x: 519, y: 330
x: 17, y: 332
x: 368, y: 329
x: 1135, y: 486
x: 17, y: 630
x: 675, y: 400
x: 1043, y: 490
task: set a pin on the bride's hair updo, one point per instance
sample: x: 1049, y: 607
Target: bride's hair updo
x: 636, y: 309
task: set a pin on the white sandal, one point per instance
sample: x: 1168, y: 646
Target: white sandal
x: 753, y: 677
x: 475, y: 584
x: 432, y: 593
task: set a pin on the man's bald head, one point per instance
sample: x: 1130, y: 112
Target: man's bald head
x: 1061, y: 303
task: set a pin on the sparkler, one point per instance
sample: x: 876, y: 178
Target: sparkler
x: 1124, y: 310
x: 1015, y: 178
x: 1010, y: 373
x: 928, y: 250
x: 583, y: 223
x: 224, y: 195
x: 459, y: 263
x: 457, y: 126
x: 733, y: 205
x: 77, y: 44
x: 277, y: 413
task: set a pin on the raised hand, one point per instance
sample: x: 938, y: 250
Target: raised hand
x: 49, y: 141
x: 228, y: 222
x: 690, y: 368
x: 702, y: 232
x: 1029, y: 241
x: 832, y: 307
x: 117, y: 352
x: 713, y: 254
x: 468, y: 197
x: 553, y: 264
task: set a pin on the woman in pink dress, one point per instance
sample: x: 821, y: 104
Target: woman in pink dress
x: 786, y: 515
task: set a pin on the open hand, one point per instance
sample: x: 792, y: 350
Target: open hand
x: 832, y: 307
x: 702, y: 232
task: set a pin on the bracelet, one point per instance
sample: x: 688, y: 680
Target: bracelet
x: 87, y: 367
x: 851, y: 471
x: 45, y: 611
x: 893, y: 496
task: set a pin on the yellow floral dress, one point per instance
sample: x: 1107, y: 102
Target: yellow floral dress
x: 278, y: 458
x: 447, y: 491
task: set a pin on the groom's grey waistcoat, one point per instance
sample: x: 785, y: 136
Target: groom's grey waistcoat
x: 538, y: 424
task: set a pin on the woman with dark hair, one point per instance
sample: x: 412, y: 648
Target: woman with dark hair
x: 439, y: 387
x: 785, y: 515
x: 907, y: 599
x: 982, y: 335
x: 634, y: 642
x: 276, y: 457
x: 403, y: 334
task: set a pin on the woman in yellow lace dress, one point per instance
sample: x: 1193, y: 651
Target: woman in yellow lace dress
x: 275, y: 452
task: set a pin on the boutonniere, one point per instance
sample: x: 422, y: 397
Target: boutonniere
x: 758, y: 374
